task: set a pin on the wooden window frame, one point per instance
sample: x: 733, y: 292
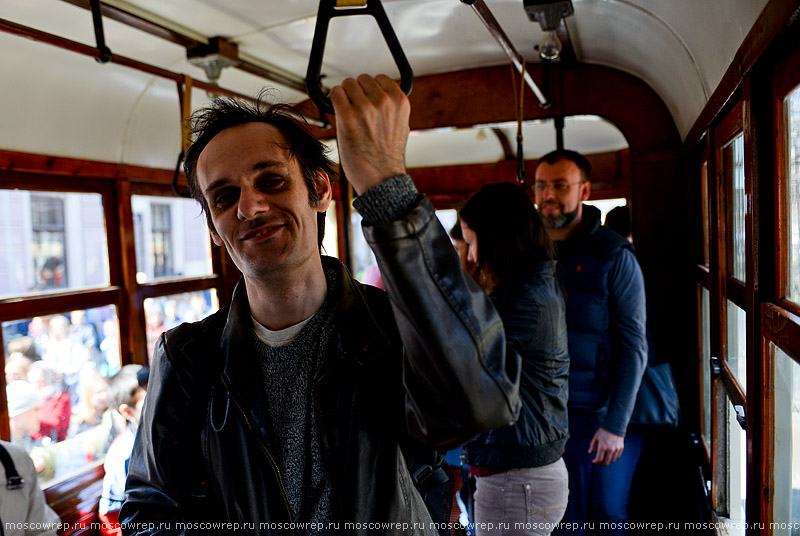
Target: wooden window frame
x: 737, y: 121
x: 115, y: 184
x: 785, y: 80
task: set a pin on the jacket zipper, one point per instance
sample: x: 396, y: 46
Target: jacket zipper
x: 271, y: 461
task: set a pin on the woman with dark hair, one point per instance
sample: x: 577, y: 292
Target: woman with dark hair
x: 521, y: 477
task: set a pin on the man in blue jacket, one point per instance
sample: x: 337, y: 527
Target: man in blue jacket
x: 607, y: 344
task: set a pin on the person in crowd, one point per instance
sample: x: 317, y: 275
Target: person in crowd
x: 109, y: 347
x: 154, y: 325
x: 17, y: 367
x: 63, y: 354
x: 56, y: 406
x: 93, y: 402
x: 607, y: 344
x: 312, y: 397
x: 23, y: 509
x: 83, y: 332
x: 127, y: 397
x: 521, y: 477
x: 24, y: 345
x: 24, y: 402
x: 171, y: 316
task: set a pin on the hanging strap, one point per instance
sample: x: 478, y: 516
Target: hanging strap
x: 519, y: 99
x: 99, y: 36
x: 13, y: 480
x: 185, y: 101
x: 329, y: 9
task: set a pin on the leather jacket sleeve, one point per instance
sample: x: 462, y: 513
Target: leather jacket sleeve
x: 460, y: 376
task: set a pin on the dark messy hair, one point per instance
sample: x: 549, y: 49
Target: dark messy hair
x: 511, y: 235
x: 226, y: 112
x: 455, y: 231
x: 565, y: 154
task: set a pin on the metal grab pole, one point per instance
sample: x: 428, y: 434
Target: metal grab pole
x: 481, y: 9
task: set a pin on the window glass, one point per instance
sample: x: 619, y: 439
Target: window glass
x: 733, y: 155
x: 793, y: 251
x: 737, y: 473
x: 51, y: 241
x: 737, y: 343
x: 364, y: 262
x: 705, y: 311
x: 365, y: 266
x: 167, y: 312
x: 56, y: 377
x: 605, y: 205
x: 786, y: 500
x: 171, y: 238
x: 330, y: 243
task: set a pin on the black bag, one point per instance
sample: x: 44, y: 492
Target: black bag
x: 657, y: 402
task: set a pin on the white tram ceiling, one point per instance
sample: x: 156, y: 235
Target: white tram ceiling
x: 680, y: 49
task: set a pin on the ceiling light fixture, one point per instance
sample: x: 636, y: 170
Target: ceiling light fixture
x: 548, y: 14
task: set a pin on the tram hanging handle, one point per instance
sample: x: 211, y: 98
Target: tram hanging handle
x: 329, y: 9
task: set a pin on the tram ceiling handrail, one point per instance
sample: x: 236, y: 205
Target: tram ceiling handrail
x: 13, y: 28
x: 329, y: 9
x: 173, y: 36
x: 485, y: 14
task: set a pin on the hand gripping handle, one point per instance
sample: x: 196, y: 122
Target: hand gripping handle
x: 327, y: 11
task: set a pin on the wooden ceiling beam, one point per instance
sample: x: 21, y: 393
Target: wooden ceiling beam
x: 464, y: 99
x: 611, y: 173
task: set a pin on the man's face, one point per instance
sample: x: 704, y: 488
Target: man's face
x: 560, y: 189
x: 258, y: 200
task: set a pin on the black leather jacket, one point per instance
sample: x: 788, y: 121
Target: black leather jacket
x: 428, y: 370
x: 535, y: 324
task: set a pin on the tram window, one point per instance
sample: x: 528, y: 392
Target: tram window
x: 364, y: 263
x: 605, y: 205
x: 171, y: 239
x: 737, y: 343
x: 167, y: 312
x: 56, y: 374
x: 786, y: 505
x: 330, y: 243
x: 51, y: 242
x: 737, y: 472
x: 793, y: 196
x: 365, y: 266
x: 705, y: 314
x: 733, y: 155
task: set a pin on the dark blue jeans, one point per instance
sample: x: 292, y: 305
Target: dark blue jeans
x: 598, y: 494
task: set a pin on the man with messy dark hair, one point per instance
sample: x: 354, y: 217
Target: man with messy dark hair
x: 315, y: 403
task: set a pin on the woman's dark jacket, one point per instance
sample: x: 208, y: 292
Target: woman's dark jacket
x: 534, y: 320
x: 426, y: 366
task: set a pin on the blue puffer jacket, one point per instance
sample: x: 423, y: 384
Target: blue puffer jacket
x: 535, y: 326
x: 606, y: 321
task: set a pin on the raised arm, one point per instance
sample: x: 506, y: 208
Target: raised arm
x: 459, y: 376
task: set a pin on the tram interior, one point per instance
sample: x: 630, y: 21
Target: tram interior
x: 688, y: 111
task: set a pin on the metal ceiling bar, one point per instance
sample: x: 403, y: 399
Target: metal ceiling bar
x: 484, y: 13
x: 13, y: 28
x: 155, y: 29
